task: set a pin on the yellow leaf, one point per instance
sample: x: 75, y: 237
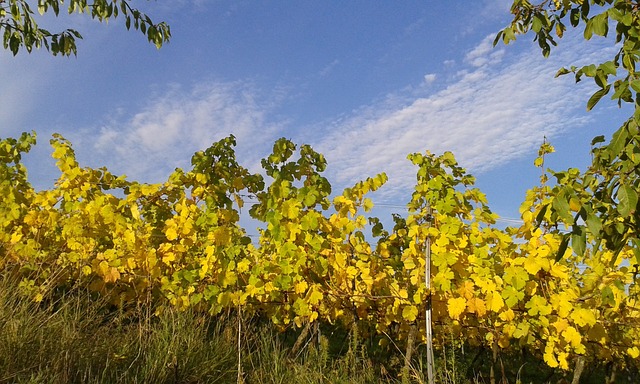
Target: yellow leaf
x: 562, y: 360
x: 456, y: 307
x: 230, y: 278
x: 531, y: 265
x: 131, y: 263
x: 135, y: 213
x: 503, y: 341
x: 409, y: 264
x: 103, y: 267
x: 572, y: 336
x: 301, y: 307
x: 171, y: 233
x: 495, y: 301
x: 560, y: 325
x: 410, y: 312
x: 243, y: 266
x: 538, y: 305
x: 16, y: 237
x: 467, y: 289
x: 341, y: 261
x: 549, y: 356
x: 559, y: 271
x: 315, y: 297
x: 507, y: 315
x: 112, y: 275
x: 634, y: 352
x: 187, y: 227
x: 583, y: 316
x: 269, y: 287
x: 299, y: 287
x: 107, y: 214
x: 521, y: 330
x: 168, y: 257
x: 129, y: 237
x: 477, y: 306
x: 562, y: 303
x: 290, y: 209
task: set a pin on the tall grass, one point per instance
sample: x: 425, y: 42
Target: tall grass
x: 76, y: 337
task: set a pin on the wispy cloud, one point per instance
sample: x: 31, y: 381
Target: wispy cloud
x: 497, y: 107
x: 430, y: 78
x: 149, y: 144
x: 329, y: 67
x: 18, y: 91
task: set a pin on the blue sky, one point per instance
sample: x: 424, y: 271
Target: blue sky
x: 365, y: 83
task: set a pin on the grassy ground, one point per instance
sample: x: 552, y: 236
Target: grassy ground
x: 77, y: 338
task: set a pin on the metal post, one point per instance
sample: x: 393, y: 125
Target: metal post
x: 427, y: 267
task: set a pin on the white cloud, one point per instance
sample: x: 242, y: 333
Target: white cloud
x: 497, y: 109
x: 430, y: 78
x: 149, y: 144
x: 23, y: 79
x: 329, y: 68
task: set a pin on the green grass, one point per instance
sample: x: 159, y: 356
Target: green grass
x: 79, y: 338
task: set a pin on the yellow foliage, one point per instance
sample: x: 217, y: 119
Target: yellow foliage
x: 309, y: 264
x: 456, y: 307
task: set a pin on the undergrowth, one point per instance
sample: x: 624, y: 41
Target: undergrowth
x: 76, y: 337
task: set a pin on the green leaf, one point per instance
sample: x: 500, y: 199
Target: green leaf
x: 627, y: 200
x: 589, y: 70
x: 597, y: 140
x: 594, y: 224
x: 574, y: 17
x: 563, y: 247
x: 593, y: 100
x: 540, y: 215
x: 635, y: 84
x: 607, y: 296
x: 508, y: 35
x: 578, y: 240
x: 536, y: 24
x: 561, y: 205
x: 609, y: 68
x: 636, y: 249
x: 621, y: 91
x: 600, y: 78
x: 618, y: 141
x: 600, y: 24
x: 588, y: 30
x: 497, y: 38
x: 562, y: 71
